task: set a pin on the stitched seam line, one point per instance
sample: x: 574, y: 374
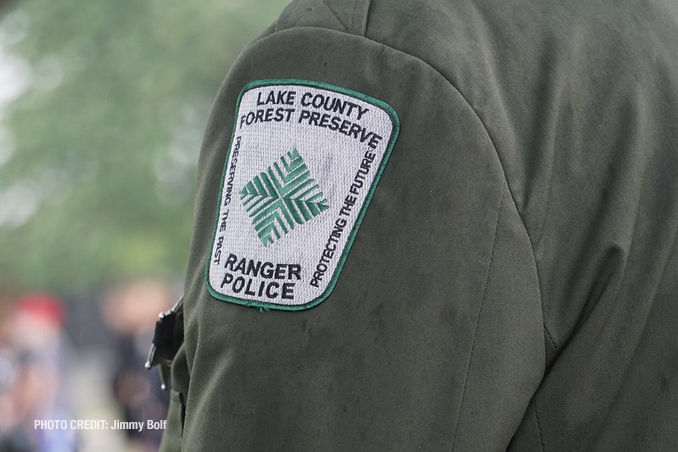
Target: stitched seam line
x: 480, y: 312
x: 541, y: 438
x: 508, y: 184
x: 336, y: 16
x: 363, y: 16
x: 300, y: 17
x: 548, y: 334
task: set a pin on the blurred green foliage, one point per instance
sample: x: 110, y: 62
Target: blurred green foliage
x: 98, y: 154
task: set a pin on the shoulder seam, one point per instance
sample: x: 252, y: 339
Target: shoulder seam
x: 510, y: 190
x: 354, y: 23
x: 508, y: 185
x: 480, y: 312
x: 336, y: 16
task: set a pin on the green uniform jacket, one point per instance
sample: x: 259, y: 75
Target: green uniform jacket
x: 514, y: 282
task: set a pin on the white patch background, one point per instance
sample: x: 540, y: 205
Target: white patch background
x: 333, y: 159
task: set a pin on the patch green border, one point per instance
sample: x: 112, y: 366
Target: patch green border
x: 349, y: 243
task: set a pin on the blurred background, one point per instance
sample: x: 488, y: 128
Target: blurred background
x: 102, y: 109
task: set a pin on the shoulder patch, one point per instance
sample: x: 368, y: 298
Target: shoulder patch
x: 303, y: 164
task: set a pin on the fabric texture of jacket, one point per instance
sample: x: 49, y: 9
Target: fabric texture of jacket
x: 513, y: 284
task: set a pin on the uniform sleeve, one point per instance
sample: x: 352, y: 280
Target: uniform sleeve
x: 171, y: 440
x: 430, y: 336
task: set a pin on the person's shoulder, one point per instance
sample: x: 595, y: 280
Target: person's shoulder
x: 349, y: 16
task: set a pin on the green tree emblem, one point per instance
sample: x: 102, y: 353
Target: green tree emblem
x: 283, y: 196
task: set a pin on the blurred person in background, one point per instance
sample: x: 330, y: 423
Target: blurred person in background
x: 131, y: 310
x: 43, y: 356
x: 13, y: 435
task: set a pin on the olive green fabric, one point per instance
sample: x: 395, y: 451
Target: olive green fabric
x: 514, y: 283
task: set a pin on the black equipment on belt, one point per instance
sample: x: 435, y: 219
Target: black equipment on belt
x: 168, y: 337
